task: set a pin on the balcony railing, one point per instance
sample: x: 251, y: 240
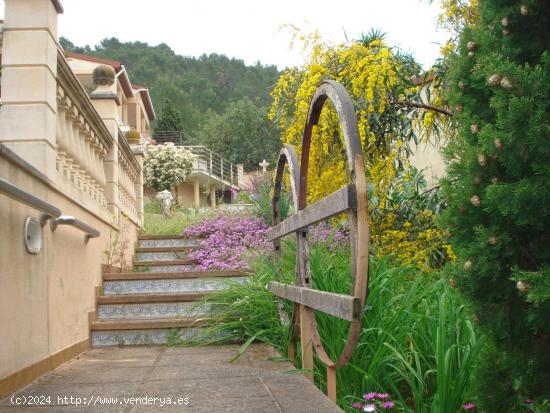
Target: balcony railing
x: 177, y: 138
x: 207, y: 162
x: 213, y: 164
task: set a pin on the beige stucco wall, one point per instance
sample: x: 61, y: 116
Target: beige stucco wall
x: 184, y: 194
x: 427, y: 157
x: 45, y: 298
x: 185, y: 197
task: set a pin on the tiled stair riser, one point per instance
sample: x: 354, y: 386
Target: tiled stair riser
x: 116, y: 317
x: 139, y: 337
x: 161, y: 256
x: 162, y: 243
x: 151, y: 310
x: 165, y: 286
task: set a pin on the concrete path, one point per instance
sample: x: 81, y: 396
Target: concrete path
x: 197, y: 379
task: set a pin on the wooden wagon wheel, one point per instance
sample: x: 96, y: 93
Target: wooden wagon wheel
x: 351, y: 198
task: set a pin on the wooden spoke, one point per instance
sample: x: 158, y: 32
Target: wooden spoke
x: 340, y: 201
x: 338, y: 305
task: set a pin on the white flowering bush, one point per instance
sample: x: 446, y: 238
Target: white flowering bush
x: 166, y: 166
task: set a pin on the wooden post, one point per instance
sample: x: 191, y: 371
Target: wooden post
x: 291, y: 350
x: 331, y: 383
x: 306, y: 344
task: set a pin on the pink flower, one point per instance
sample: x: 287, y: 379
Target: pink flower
x: 369, y: 396
x: 383, y: 396
x: 469, y: 406
x: 528, y: 401
x: 357, y: 405
x: 226, y: 239
x: 388, y: 404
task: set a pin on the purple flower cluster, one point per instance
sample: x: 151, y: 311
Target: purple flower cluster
x: 226, y: 240
x: 374, y: 401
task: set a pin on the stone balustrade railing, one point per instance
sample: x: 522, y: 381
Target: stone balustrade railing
x: 86, y: 150
x: 128, y: 177
x: 80, y: 153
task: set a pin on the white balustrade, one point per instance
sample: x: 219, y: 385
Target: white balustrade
x: 128, y: 175
x: 80, y: 153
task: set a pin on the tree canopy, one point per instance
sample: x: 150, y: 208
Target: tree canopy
x: 195, y: 86
x: 242, y: 134
x: 170, y: 119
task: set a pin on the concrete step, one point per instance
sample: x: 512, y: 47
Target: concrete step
x: 150, y: 298
x: 171, y: 275
x: 155, y: 323
x: 164, y: 241
x: 156, y: 303
x: 143, y: 283
x: 143, y: 306
x: 165, y: 249
x: 142, y: 332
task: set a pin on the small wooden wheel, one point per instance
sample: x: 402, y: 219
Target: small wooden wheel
x: 287, y: 156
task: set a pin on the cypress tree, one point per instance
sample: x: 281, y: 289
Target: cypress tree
x: 498, y: 192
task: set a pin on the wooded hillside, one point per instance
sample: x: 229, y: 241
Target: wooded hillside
x: 196, y: 86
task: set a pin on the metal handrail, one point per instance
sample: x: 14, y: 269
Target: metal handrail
x: 69, y: 220
x: 48, y: 210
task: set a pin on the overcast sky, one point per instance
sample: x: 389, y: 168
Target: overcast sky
x: 249, y: 29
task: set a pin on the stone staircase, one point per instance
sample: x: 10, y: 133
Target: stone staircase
x: 157, y: 299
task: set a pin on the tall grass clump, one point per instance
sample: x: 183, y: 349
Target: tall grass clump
x: 261, y: 194
x: 417, y: 342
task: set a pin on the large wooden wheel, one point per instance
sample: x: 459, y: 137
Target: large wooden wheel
x: 351, y: 199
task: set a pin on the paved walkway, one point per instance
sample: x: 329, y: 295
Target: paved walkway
x: 202, y: 375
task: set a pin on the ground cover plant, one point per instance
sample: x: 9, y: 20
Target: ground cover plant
x: 227, y: 240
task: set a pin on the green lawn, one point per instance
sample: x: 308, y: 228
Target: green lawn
x: 157, y: 224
